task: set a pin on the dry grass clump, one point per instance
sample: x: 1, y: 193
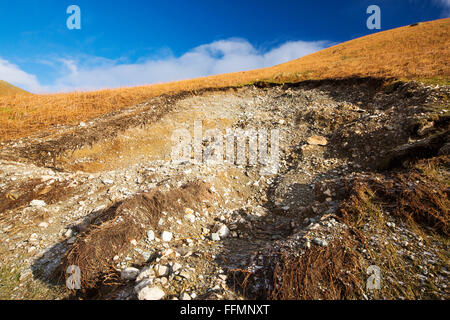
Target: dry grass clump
x: 111, y: 232
x: 331, y: 272
x: 419, y: 52
x: 413, y: 197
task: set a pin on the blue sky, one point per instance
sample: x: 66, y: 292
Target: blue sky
x: 123, y: 43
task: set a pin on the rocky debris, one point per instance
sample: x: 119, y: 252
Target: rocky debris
x: 253, y: 216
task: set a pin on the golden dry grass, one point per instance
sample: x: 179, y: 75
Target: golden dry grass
x: 7, y: 89
x: 411, y: 52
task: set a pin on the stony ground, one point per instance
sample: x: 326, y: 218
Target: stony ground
x: 64, y: 187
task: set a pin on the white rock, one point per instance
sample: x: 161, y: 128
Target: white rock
x: 176, y: 266
x: 162, y: 271
x: 69, y: 233
x: 71, y: 240
x: 166, y: 236
x: 151, y: 293
x: 185, y: 296
x: 129, y: 273
x: 38, y: 203
x: 43, y: 225
x: 133, y: 242
x: 150, y: 235
x: 147, y: 272
x: 107, y: 181
x: 223, y: 231
x: 190, y: 217
x: 188, y: 211
x: 215, y: 237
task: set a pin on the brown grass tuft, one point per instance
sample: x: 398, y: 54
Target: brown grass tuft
x: 333, y: 272
x: 111, y: 232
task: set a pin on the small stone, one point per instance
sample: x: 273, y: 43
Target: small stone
x: 107, y: 181
x: 150, y: 235
x: 185, y: 296
x: 147, y: 272
x: 223, y: 231
x: 68, y: 233
x: 320, y: 242
x: 190, y: 217
x: 133, y: 242
x: 166, y: 236
x: 317, y: 140
x: 188, y: 211
x: 38, y: 203
x: 176, y: 266
x: 162, y: 271
x: 129, y: 273
x: 185, y: 274
x: 43, y: 225
x: 327, y: 192
x: 151, y: 293
x: 215, y: 237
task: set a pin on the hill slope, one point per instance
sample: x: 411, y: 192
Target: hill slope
x: 7, y: 89
x: 412, y: 52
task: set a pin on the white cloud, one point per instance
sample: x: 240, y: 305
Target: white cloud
x: 90, y: 73
x: 445, y: 4
x: 14, y: 75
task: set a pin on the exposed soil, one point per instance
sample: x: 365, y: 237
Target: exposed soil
x: 362, y: 180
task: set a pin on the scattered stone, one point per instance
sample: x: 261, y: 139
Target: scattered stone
x: 223, y: 231
x: 151, y: 293
x: 215, y: 236
x: 190, y: 217
x: 320, y: 242
x: 317, y: 141
x: 43, y: 225
x: 161, y: 270
x: 147, y: 272
x: 129, y: 273
x: 176, y: 266
x: 107, y: 181
x: 68, y: 233
x: 150, y: 235
x: 185, y: 296
x: 38, y: 203
x: 166, y: 236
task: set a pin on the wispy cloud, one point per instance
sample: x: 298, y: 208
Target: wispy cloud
x: 90, y: 73
x: 13, y: 74
x: 445, y: 4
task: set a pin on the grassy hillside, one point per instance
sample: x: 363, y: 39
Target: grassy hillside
x: 418, y: 52
x: 7, y: 89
